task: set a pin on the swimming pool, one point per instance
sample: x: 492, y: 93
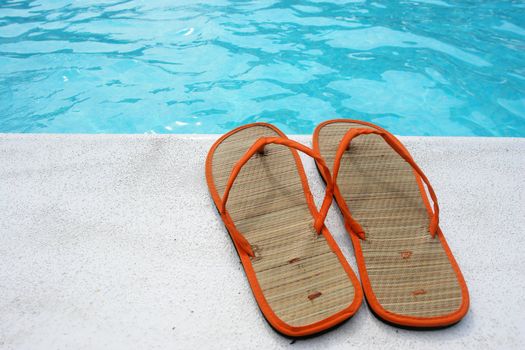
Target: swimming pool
x: 426, y: 67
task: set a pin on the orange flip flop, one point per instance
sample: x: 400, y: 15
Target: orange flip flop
x: 300, y: 279
x: 409, y: 275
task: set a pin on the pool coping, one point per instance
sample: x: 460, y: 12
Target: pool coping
x: 112, y: 241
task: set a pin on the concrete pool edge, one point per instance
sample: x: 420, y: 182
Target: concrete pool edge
x: 103, y: 237
x: 215, y: 136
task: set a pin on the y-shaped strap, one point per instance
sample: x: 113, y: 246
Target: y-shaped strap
x: 392, y: 142
x: 258, y: 147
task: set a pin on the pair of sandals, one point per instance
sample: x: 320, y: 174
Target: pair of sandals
x: 300, y: 279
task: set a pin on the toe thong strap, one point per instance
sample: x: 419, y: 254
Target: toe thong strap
x: 258, y: 147
x: 392, y: 142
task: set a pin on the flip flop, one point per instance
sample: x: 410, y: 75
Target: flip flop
x: 299, y: 277
x: 408, y: 273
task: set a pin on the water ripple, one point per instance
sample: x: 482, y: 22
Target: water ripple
x: 425, y: 67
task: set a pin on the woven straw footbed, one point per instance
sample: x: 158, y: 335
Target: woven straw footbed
x: 409, y: 271
x: 268, y: 206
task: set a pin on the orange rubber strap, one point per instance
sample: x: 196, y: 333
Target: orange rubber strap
x: 392, y: 142
x: 258, y: 147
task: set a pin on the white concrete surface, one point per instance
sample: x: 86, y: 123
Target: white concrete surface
x: 112, y: 242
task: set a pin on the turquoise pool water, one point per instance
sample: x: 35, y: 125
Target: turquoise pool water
x: 426, y: 67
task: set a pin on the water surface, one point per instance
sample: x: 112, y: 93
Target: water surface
x: 430, y: 67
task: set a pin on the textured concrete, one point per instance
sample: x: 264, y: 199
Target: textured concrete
x: 112, y: 242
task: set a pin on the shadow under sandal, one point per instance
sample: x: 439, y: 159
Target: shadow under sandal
x: 409, y: 275
x: 299, y: 277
